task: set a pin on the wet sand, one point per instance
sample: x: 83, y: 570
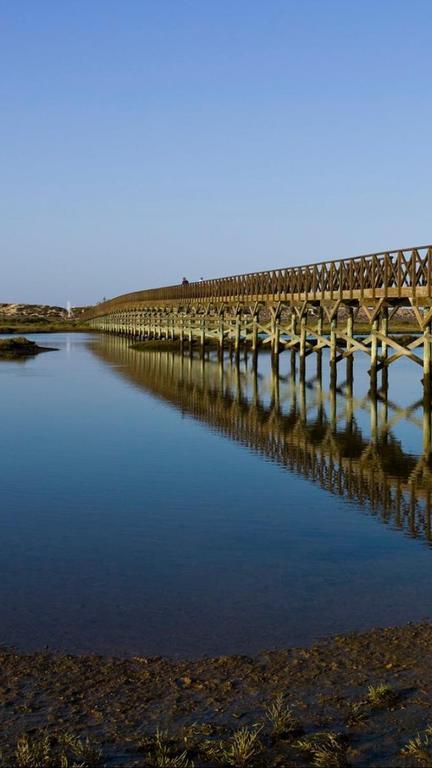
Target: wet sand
x: 120, y: 703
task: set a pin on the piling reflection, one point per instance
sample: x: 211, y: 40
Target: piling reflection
x: 308, y: 429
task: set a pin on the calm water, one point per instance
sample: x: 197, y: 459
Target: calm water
x: 156, y: 505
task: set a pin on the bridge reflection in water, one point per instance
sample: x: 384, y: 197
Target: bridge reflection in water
x: 301, y: 425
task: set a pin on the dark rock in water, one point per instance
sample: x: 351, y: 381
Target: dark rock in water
x: 21, y: 347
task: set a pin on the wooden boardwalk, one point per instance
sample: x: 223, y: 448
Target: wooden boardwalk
x: 303, y: 309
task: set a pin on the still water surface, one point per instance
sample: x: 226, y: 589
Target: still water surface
x: 157, y: 505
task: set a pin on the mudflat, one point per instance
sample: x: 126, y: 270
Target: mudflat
x: 359, y: 699
x: 21, y: 347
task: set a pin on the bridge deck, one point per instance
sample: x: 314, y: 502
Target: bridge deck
x: 394, y: 275
x: 271, y: 308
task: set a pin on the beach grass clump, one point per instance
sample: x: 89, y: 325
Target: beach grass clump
x: 239, y: 751
x: 325, y: 750
x: 32, y: 753
x: 381, y: 696
x: 162, y: 752
x: 45, y: 751
x: 84, y: 750
x: 419, y: 749
x: 357, y: 713
x: 282, y: 719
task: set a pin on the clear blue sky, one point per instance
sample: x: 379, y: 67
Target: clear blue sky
x: 141, y: 140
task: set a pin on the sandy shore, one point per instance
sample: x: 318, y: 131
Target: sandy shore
x: 119, y: 704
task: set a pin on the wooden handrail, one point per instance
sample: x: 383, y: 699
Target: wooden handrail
x: 396, y: 270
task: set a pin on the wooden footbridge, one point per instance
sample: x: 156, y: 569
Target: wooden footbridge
x: 303, y: 309
x: 301, y: 426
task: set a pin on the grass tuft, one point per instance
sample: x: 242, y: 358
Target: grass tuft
x: 381, y: 695
x: 239, y: 751
x: 163, y: 753
x: 326, y: 750
x: 44, y: 751
x: 419, y: 748
x: 281, y: 717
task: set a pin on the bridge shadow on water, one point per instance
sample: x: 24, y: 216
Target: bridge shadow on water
x: 348, y: 445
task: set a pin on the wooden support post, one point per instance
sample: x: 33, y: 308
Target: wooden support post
x: 237, y: 335
x: 190, y: 334
x: 181, y: 331
x: 349, y: 360
x: 384, y: 331
x: 333, y: 338
x: 303, y: 345
x: 150, y: 326
x: 221, y: 332
x: 275, y: 338
x: 293, y: 351
x: 427, y: 424
x: 319, y: 352
x: 202, y: 333
x: 374, y: 356
x: 255, y: 334
x: 427, y: 358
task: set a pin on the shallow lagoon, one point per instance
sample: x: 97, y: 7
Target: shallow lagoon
x: 153, y: 505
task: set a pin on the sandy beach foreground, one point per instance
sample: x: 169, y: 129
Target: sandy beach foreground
x: 357, y: 699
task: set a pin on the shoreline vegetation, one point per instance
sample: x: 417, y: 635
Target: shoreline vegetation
x: 40, y: 318
x: 361, y: 699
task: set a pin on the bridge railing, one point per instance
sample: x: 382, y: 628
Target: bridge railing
x: 391, y: 273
